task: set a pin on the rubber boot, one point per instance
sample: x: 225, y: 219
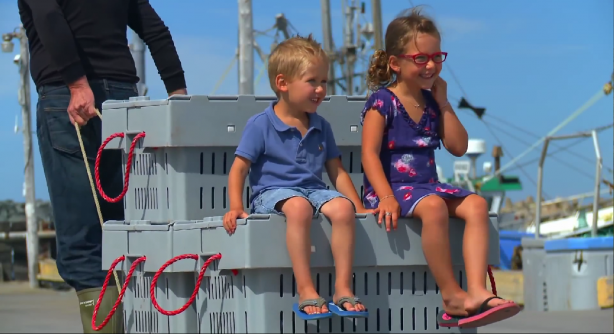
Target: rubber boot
x: 87, y: 303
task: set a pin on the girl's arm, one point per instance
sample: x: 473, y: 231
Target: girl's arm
x: 372, y: 134
x: 452, y: 132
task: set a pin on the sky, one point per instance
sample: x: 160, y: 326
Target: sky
x: 531, y: 64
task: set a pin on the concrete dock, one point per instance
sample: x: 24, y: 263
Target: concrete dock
x: 23, y: 310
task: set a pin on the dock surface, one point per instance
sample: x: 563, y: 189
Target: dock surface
x: 23, y: 310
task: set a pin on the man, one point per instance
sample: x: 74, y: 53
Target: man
x: 79, y: 59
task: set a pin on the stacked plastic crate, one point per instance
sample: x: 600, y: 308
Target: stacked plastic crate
x: 176, y: 195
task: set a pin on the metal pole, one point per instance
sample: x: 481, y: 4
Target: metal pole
x: 349, y: 48
x: 138, y: 53
x: 30, y: 206
x: 538, y: 199
x: 597, y: 183
x: 246, y: 48
x: 327, y: 42
x: 376, y: 11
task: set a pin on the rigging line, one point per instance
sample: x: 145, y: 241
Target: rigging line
x: 571, y: 117
x: 561, y: 146
x: 556, y: 129
x: 554, y: 144
x: 223, y: 76
x: 551, y: 153
x: 566, y: 148
x: 457, y: 81
x: 522, y: 170
x: 562, y: 162
x: 600, y: 94
x: 507, y: 152
x: 601, y: 128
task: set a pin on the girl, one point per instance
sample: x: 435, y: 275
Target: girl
x: 403, y: 122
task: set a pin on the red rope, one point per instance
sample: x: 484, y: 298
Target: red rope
x: 121, y: 294
x: 201, y: 275
x: 492, y: 281
x: 128, y: 166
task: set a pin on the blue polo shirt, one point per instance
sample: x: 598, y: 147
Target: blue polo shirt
x: 280, y: 157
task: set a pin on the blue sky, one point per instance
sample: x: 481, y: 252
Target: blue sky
x: 530, y: 63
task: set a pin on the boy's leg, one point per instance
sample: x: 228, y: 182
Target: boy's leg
x: 293, y: 204
x: 341, y: 212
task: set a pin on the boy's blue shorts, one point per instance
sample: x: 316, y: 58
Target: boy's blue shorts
x: 266, y: 201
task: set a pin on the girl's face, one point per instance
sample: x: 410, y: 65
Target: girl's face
x: 421, y: 63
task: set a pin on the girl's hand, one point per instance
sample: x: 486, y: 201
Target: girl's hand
x: 440, y: 92
x: 390, y: 210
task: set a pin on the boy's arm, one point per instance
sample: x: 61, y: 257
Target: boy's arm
x: 340, y: 179
x: 236, y: 182
x: 248, y: 151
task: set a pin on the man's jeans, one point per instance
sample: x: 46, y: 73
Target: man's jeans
x: 78, y: 231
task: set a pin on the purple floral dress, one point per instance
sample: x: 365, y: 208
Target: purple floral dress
x: 408, y: 153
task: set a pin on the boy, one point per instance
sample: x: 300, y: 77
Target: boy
x: 286, y: 147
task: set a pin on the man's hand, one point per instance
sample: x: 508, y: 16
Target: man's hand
x: 182, y: 91
x: 81, y: 107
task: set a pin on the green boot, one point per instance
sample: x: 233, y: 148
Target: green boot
x: 87, y: 303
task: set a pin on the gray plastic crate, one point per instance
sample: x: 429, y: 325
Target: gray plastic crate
x: 179, y: 170
x: 154, y: 240
x: 572, y: 268
x: 179, y: 175
x: 534, y: 273
x: 391, y: 276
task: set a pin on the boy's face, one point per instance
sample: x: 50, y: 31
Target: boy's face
x: 307, y: 91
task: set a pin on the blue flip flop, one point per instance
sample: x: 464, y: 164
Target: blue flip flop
x: 338, y: 309
x: 299, y: 309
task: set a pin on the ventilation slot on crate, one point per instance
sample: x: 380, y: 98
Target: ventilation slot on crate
x: 351, y: 159
x: 222, y: 322
x: 216, y: 162
x: 219, y: 287
x: 145, y: 198
x: 144, y: 164
x: 218, y: 198
x: 141, y: 284
x: 146, y: 321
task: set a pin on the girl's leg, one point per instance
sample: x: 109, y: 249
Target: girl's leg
x: 473, y: 209
x: 340, y: 212
x: 433, y: 212
x: 299, y: 213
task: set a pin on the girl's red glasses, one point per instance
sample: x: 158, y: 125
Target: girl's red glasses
x: 423, y: 58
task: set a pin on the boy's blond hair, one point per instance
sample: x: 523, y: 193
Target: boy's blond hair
x: 292, y: 56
